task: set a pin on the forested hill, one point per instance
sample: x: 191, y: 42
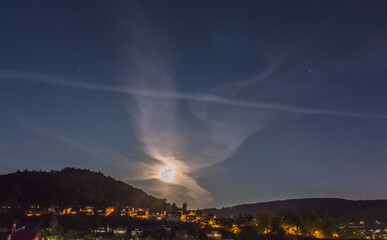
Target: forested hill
x: 73, y: 187
x: 342, y: 209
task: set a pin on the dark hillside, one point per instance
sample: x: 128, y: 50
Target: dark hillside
x: 370, y: 210
x: 74, y: 187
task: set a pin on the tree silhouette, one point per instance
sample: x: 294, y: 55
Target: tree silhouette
x: 264, y: 221
x: 54, y: 231
x: 184, y: 207
x: 329, y: 228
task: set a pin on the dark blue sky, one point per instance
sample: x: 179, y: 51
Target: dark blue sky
x: 248, y: 101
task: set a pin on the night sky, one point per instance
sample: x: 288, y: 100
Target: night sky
x: 241, y: 101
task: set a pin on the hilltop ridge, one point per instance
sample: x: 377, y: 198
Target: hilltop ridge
x: 351, y: 210
x: 72, y: 186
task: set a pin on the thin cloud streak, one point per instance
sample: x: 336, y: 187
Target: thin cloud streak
x: 99, y: 151
x: 53, y: 80
x: 47, y: 132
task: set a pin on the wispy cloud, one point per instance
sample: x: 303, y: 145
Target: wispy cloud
x: 21, y: 76
x: 232, y: 89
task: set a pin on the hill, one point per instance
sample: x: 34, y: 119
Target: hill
x: 345, y: 210
x: 72, y: 187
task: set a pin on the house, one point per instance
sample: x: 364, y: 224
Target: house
x: 99, y: 230
x: 100, y: 212
x: 60, y: 211
x: 156, y: 215
x: 33, y: 212
x: 66, y: 210
x: 214, y: 233
x: 74, y: 211
x: 136, y: 232
x: 144, y: 214
x: 102, y: 230
x: 123, y: 212
x: 119, y: 231
x: 50, y: 210
x: 88, y: 211
x: 108, y: 211
x: 191, y: 217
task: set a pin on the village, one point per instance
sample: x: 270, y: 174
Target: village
x: 169, y: 222
x: 139, y: 213
x: 186, y: 224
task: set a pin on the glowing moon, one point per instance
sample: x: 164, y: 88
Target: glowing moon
x: 167, y: 174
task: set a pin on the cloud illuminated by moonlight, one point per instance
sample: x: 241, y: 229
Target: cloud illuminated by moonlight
x: 181, y: 134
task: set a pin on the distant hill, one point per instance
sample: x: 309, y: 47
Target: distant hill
x: 74, y: 187
x: 346, y: 210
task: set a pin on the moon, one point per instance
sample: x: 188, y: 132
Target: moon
x: 167, y: 174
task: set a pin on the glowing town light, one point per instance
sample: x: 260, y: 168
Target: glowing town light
x: 167, y: 173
